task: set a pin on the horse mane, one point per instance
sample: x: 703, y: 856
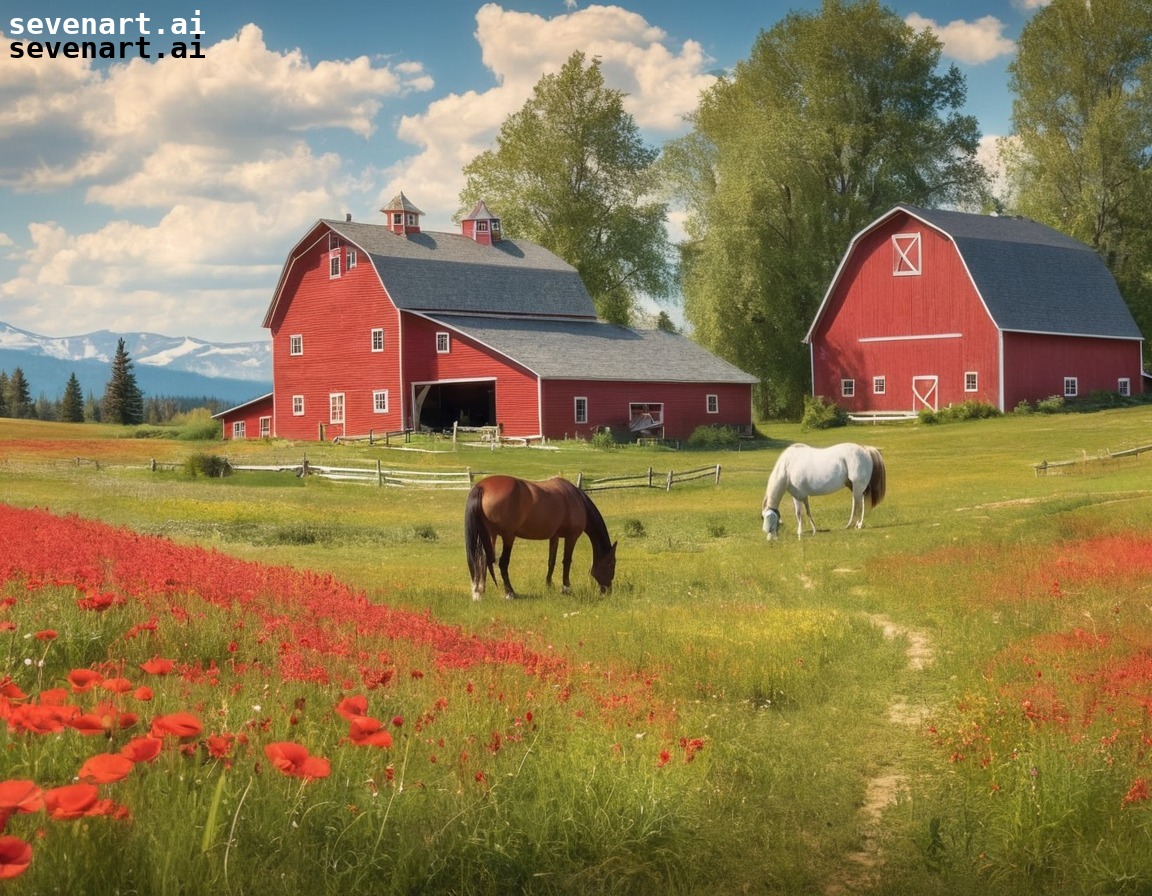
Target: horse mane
x: 878, y: 484
x: 596, y: 528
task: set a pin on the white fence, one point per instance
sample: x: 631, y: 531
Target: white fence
x: 373, y: 475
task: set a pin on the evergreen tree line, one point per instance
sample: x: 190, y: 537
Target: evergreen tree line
x: 122, y: 402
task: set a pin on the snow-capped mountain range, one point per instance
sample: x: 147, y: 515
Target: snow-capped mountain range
x: 164, y: 365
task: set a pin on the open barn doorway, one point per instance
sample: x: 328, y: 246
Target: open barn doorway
x: 437, y: 406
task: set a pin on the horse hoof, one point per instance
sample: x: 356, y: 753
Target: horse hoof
x: 509, y: 595
x: 566, y: 590
x: 476, y: 595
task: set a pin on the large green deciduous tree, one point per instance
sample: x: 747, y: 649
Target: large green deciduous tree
x: 570, y: 172
x: 1081, y: 157
x: 836, y: 117
x: 123, y: 401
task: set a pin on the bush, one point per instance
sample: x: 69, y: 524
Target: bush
x: 1023, y: 408
x: 603, y: 439
x: 205, y: 464
x: 1053, y: 404
x: 953, y: 413
x: 714, y: 437
x: 819, y: 413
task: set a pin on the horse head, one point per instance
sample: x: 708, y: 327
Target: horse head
x: 604, y: 568
x: 771, y: 522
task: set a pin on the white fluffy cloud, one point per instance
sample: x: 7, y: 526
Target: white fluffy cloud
x: 973, y: 42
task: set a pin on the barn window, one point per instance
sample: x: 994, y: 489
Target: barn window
x: 879, y: 385
x: 1071, y: 387
x: 412, y: 219
x: 334, y: 265
x: 351, y: 259
x: 333, y: 241
x: 397, y: 217
x: 265, y: 427
x: 296, y: 345
x: 847, y: 388
x: 905, y: 254
x: 1124, y: 386
x: 380, y: 401
x: 712, y: 404
x: 238, y: 429
x: 443, y: 343
x: 297, y: 405
x: 971, y: 381
x: 482, y: 226
x: 336, y: 407
x: 378, y: 339
x: 581, y: 406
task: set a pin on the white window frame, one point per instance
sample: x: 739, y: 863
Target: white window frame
x: 847, y: 387
x: 443, y: 342
x: 397, y: 218
x: 296, y: 345
x: 1071, y: 386
x: 351, y: 258
x: 481, y: 226
x: 412, y: 220
x: 971, y: 381
x: 879, y: 385
x: 380, y: 401
x: 265, y: 427
x: 333, y: 241
x: 1124, y: 387
x: 238, y: 429
x: 377, y: 339
x: 654, y: 409
x: 907, y: 255
x: 712, y: 403
x: 580, y: 409
x: 334, y: 265
x: 335, y: 408
x: 297, y: 405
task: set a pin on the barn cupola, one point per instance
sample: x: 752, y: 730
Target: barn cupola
x: 481, y: 225
x: 403, y: 217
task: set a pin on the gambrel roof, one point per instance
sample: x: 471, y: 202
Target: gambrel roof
x: 1030, y: 277
x: 594, y: 350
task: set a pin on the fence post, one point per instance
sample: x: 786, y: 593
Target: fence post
x: 379, y: 476
x: 153, y: 465
x: 649, y: 477
x: 717, y: 474
x: 371, y: 439
x: 668, y: 487
x: 580, y: 480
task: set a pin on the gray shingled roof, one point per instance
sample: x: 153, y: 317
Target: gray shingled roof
x: 1033, y: 278
x: 448, y: 272
x: 593, y: 350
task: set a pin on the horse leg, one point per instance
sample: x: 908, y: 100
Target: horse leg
x: 505, y: 557
x: 552, y: 544
x: 852, y: 513
x: 798, y: 505
x: 863, y: 504
x: 808, y: 510
x: 569, y: 547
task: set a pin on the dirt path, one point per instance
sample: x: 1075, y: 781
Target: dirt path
x: 862, y: 868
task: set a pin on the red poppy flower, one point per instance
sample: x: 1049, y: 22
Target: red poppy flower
x: 39, y: 719
x: 15, y: 856
x: 177, y: 724
x: 54, y: 697
x: 104, y: 768
x: 158, y: 666
x: 83, y: 679
x: 366, y: 731
x: 48, y: 634
x: 142, y: 749
x: 7, y: 626
x: 220, y: 745
x: 143, y: 693
x: 17, y: 795
x: 293, y: 759
x: 117, y: 685
x: 351, y: 707
x: 70, y: 801
x: 89, y: 723
x: 11, y: 690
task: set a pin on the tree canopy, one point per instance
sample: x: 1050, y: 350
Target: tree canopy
x: 570, y: 172
x: 834, y: 118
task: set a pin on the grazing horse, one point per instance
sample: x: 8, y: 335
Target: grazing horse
x: 802, y: 471
x: 514, y: 508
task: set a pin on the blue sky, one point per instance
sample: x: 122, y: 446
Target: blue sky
x: 163, y: 195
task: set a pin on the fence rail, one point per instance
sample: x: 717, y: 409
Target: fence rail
x: 651, y: 479
x: 1046, y: 466
x: 377, y: 474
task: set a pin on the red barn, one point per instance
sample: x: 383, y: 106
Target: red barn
x: 384, y: 327
x: 930, y: 308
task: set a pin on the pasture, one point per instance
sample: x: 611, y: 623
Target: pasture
x: 954, y: 699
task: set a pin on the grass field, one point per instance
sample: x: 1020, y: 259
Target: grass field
x: 953, y: 700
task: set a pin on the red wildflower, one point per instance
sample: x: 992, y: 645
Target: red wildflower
x: 143, y: 693
x: 11, y: 690
x: 366, y: 731
x: 7, y: 625
x: 70, y: 801
x: 665, y: 758
x: 15, y: 857
x: 90, y: 723
x: 104, y: 768
x: 293, y: 759
x: 39, y: 719
x: 117, y: 685
x: 352, y: 707
x: 17, y: 795
x: 54, y: 697
x: 48, y: 634
x: 83, y: 679
x: 98, y: 601
x: 142, y: 749
x: 158, y: 666
x: 177, y: 724
x: 220, y: 745
x: 1137, y: 793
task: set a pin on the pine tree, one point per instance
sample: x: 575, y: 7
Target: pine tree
x: 72, y: 407
x: 3, y: 393
x: 123, y: 400
x: 20, y: 396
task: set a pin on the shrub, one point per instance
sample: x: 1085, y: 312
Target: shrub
x: 205, y: 464
x: 1023, y: 408
x: 632, y: 528
x: 819, y: 413
x: 1053, y: 404
x: 603, y: 439
x: 714, y: 437
x: 966, y: 410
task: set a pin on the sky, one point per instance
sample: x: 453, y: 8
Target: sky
x: 163, y: 195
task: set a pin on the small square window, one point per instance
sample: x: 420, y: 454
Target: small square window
x: 1071, y: 387
x: 238, y: 429
x: 971, y: 381
x: 334, y: 265
x: 397, y: 217
x: 443, y: 343
x: 380, y: 401
x: 1124, y: 387
x: 847, y: 388
x: 297, y: 405
x: 378, y: 339
x: 712, y: 404
x: 296, y: 345
x: 351, y: 259
x: 879, y: 385
x: 581, y: 409
x: 336, y: 407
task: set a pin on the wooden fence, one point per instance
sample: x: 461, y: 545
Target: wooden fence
x: 651, y: 479
x: 1060, y: 466
x: 377, y: 474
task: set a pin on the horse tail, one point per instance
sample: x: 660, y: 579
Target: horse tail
x: 878, y: 483
x: 477, y: 541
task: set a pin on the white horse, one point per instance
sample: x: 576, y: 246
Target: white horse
x: 802, y: 471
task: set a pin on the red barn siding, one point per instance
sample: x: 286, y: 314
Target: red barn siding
x: 250, y: 415
x: 1035, y: 365
x: 336, y: 317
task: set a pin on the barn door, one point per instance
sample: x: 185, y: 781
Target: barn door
x: 925, y: 392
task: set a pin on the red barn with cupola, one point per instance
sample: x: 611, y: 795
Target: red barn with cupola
x: 930, y: 308
x: 384, y: 327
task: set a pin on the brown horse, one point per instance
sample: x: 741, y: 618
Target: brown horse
x: 514, y: 508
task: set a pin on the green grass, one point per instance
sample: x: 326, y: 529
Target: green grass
x: 770, y: 653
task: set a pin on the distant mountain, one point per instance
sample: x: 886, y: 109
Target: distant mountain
x: 178, y: 366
